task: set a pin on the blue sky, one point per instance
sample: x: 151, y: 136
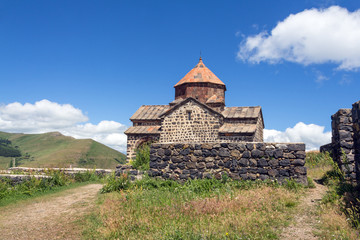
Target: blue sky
x: 84, y: 67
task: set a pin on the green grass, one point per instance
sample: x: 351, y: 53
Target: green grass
x: 56, y: 150
x: 11, y: 193
x: 198, y: 209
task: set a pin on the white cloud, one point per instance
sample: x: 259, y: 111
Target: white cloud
x: 312, y: 36
x: 310, y: 134
x: 45, y: 116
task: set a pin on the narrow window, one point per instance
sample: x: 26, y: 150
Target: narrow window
x: 189, y: 115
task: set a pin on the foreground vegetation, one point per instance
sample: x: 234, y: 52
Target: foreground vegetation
x: 58, y: 181
x: 218, y: 209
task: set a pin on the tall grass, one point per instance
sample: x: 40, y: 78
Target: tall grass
x: 198, y: 209
x: 12, y: 192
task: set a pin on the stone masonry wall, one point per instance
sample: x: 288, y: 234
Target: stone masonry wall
x: 190, y: 123
x: 356, y: 127
x: 238, y: 160
x: 343, y: 151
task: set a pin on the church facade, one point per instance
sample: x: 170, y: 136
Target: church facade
x: 197, y: 115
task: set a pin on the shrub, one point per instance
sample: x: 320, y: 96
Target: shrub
x: 114, y: 183
x: 142, y: 160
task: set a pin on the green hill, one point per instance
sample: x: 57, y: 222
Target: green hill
x: 56, y: 150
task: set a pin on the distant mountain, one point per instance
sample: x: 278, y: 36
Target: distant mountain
x: 56, y: 150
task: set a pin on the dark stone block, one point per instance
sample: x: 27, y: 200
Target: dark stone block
x: 257, y: 153
x: 300, y: 154
x: 176, y: 159
x: 227, y: 164
x: 181, y: 165
x: 250, y: 146
x: 191, y: 165
x: 241, y: 147
x: 220, y: 163
x: 197, y: 152
x: 200, y: 165
x: 296, y: 147
x: 246, y: 154
x: 284, y: 172
x: 166, y: 158
x: 206, y: 153
x: 269, y: 153
x: 260, y: 146
x: 185, y: 151
x: 208, y: 176
x: 165, y: 175
x: 231, y: 146
x: 244, y: 176
x: 197, y: 147
x: 224, y: 145
x: 224, y: 152
x: 167, y: 152
x: 278, y: 153
x: 345, y: 135
x: 346, y: 144
x: 298, y: 162
x: 184, y: 176
x: 242, y: 170
x: 284, y: 162
x: 173, y: 166
x: 262, y: 171
x: 179, y: 146
x: 214, y: 152
x: 244, y: 162
x: 186, y: 171
x: 160, y: 152
x: 252, y: 170
x: 252, y: 162
x: 152, y: 151
x: 153, y: 158
x: 263, y: 163
x: 162, y: 165
x: 153, y: 165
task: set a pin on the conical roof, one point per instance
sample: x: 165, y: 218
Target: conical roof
x: 200, y: 74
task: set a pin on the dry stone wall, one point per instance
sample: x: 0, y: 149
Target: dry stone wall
x: 182, y: 161
x: 356, y: 128
x: 343, y: 151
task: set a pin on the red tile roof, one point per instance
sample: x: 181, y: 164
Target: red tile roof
x: 143, y: 130
x: 200, y: 74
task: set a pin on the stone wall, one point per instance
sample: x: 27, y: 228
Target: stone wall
x: 343, y: 151
x: 191, y: 123
x: 238, y: 160
x: 356, y: 127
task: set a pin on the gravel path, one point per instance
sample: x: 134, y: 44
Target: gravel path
x: 305, y: 221
x: 51, y: 217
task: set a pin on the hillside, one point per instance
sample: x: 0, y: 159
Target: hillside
x: 56, y: 150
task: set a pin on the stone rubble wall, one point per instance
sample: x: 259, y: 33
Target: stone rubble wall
x: 182, y: 161
x: 133, y: 141
x: 356, y: 127
x: 343, y: 152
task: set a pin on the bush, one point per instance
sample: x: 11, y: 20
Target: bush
x: 114, y: 183
x: 142, y: 160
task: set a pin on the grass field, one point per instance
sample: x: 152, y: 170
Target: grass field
x: 56, y: 150
x: 218, y: 209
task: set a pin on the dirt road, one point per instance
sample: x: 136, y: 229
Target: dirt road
x: 49, y: 217
x: 305, y: 221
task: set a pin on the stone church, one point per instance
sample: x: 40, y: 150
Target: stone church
x: 197, y: 115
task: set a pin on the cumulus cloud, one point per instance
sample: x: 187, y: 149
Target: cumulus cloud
x: 313, y: 36
x: 312, y: 135
x: 46, y: 116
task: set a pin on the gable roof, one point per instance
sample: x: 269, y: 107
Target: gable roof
x: 241, y: 112
x: 143, y: 130
x: 237, y: 128
x: 184, y: 102
x: 200, y: 74
x: 149, y: 112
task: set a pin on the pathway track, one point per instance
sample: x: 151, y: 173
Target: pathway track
x: 51, y: 217
x: 305, y: 221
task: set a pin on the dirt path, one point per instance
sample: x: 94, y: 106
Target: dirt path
x: 305, y: 221
x: 50, y: 217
